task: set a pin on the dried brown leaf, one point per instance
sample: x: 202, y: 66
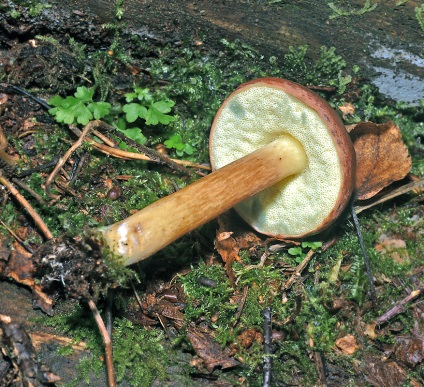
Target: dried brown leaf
x: 396, y: 248
x: 230, y: 239
x: 381, y: 157
x: 347, y: 109
x: 347, y: 344
x: 211, y: 353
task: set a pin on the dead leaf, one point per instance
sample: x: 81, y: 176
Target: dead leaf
x: 248, y: 336
x: 347, y: 109
x: 370, y: 331
x: 396, y: 248
x: 229, y: 243
x: 211, y: 353
x: 381, y: 157
x: 347, y: 344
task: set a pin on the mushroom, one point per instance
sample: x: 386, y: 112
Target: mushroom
x: 281, y: 156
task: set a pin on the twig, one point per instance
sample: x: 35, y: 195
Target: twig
x: 267, y: 327
x: 320, y: 367
x: 119, y: 153
x: 366, y: 259
x: 77, y: 169
x: 18, y: 90
x: 18, y: 238
x: 299, y: 270
x: 37, y: 219
x: 107, y: 342
x: 399, y: 307
x: 137, y: 297
x: 241, y: 305
x: 392, y: 194
x: 29, y: 190
x: 154, y: 155
x: 68, y: 154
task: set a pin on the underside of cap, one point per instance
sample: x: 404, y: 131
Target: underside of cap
x: 261, y: 111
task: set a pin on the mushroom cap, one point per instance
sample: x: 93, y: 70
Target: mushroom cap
x: 262, y: 110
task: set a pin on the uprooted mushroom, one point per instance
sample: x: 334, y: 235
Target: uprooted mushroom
x: 281, y: 157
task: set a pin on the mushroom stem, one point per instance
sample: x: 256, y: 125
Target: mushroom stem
x: 154, y: 227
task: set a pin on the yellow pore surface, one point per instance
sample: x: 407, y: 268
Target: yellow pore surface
x: 298, y: 204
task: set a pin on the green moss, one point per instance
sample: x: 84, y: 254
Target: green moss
x: 139, y: 355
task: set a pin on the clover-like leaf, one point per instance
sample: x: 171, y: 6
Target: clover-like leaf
x: 99, y: 109
x: 157, y: 113
x: 134, y: 111
x: 55, y: 101
x: 134, y: 134
x: 84, y: 94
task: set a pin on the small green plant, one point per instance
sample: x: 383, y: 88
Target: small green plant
x: 338, y: 12
x: 146, y: 108
x: 79, y: 108
x: 37, y: 9
x: 141, y: 105
x: 15, y: 14
x: 298, y: 250
x: 358, y: 276
x: 176, y: 142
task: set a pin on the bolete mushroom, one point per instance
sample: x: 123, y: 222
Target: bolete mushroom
x: 281, y: 156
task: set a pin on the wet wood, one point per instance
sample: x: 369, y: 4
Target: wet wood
x: 386, y: 42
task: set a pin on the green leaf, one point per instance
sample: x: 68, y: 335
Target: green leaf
x: 55, y: 101
x: 295, y: 251
x: 129, y: 97
x: 99, y: 109
x: 144, y: 95
x: 188, y: 149
x: 156, y: 113
x: 135, y: 134
x: 73, y: 110
x: 134, y: 111
x: 175, y: 142
x: 312, y: 245
x: 121, y: 123
x: 180, y: 147
x: 84, y: 94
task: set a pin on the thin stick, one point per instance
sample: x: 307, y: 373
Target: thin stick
x: 119, y: 153
x: 29, y: 190
x: 267, y: 327
x: 366, y: 259
x: 241, y: 305
x: 299, y: 270
x: 37, y: 219
x: 18, y: 238
x: 107, y: 342
x: 400, y: 306
x: 66, y: 156
x: 390, y: 195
